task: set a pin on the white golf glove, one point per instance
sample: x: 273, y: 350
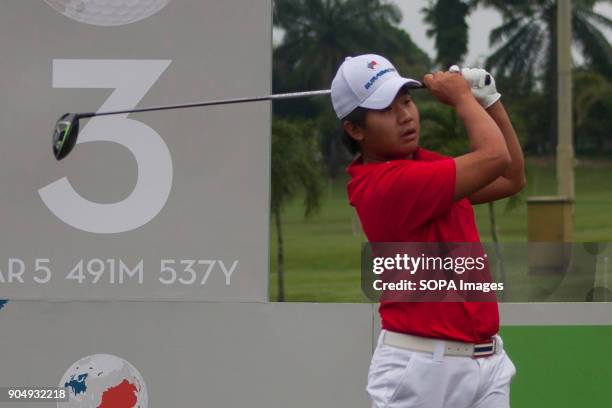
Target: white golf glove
x: 485, y: 94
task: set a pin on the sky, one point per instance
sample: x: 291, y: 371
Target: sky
x: 480, y: 23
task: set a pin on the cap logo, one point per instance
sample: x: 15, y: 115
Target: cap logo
x: 372, y: 64
x: 369, y: 84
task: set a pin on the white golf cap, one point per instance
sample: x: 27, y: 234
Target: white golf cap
x: 369, y: 81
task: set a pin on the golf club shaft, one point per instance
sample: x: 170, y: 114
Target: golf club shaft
x: 210, y: 103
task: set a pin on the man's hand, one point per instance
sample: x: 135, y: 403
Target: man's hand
x: 449, y: 88
x: 485, y: 94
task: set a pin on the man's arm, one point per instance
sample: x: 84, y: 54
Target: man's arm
x: 489, y: 157
x: 512, y: 181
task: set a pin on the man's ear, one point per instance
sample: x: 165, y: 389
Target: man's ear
x: 353, y: 130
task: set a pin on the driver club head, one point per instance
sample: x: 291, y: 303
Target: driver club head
x: 65, y: 135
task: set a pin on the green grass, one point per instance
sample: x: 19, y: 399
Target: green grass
x: 322, y: 254
x: 555, y: 362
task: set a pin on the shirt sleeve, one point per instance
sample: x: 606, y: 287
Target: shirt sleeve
x: 418, y: 192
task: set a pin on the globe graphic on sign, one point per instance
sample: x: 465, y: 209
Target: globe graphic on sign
x: 103, y: 381
x: 108, y: 12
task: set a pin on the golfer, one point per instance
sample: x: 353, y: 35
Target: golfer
x: 429, y: 354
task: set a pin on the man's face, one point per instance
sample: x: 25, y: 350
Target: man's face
x: 391, y: 133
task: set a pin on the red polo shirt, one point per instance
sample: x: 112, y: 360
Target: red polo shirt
x: 412, y: 201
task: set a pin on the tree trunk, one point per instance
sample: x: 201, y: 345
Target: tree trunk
x: 280, y: 258
x: 498, y: 255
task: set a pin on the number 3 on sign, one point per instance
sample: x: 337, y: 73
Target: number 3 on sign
x: 131, y: 80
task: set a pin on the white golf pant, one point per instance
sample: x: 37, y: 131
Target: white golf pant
x: 401, y: 378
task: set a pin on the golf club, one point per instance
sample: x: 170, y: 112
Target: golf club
x: 67, y: 127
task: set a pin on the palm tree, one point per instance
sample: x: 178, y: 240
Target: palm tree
x: 527, y: 47
x: 447, y: 20
x: 447, y: 24
x: 295, y: 168
x: 320, y: 33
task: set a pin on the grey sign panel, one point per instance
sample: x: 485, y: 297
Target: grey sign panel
x: 189, y: 354
x: 157, y: 205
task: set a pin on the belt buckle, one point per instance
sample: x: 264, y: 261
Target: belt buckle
x: 485, y: 352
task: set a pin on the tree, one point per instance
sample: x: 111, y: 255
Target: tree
x: 448, y: 26
x: 295, y: 168
x: 593, y: 111
x: 320, y: 33
x: 527, y: 49
x: 447, y: 20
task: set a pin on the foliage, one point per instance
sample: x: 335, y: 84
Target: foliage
x: 527, y: 40
x: 295, y: 169
x: 448, y: 25
x: 593, y: 112
x: 319, y: 34
x: 295, y: 165
x: 591, y: 88
x: 526, y: 52
x: 444, y: 132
